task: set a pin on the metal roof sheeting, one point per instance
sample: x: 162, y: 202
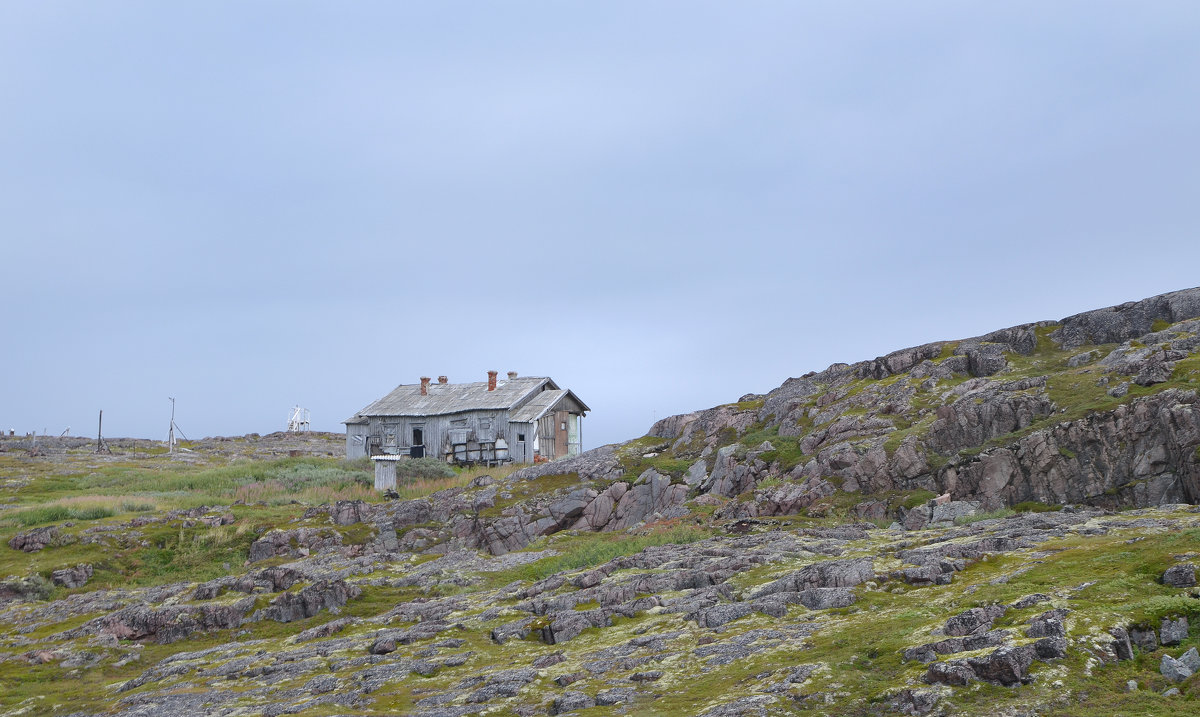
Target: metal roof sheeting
x: 537, y: 407
x: 406, y: 400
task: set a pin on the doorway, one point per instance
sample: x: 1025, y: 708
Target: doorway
x: 417, y: 449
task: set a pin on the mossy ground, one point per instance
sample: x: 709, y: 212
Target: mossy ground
x: 1105, y: 580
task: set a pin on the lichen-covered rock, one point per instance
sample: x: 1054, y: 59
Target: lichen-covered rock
x: 1005, y: 665
x: 308, y: 601
x: 569, y: 701
x: 975, y: 621
x: 293, y: 543
x: 1180, y: 576
x: 1174, y: 670
x: 825, y: 574
x: 1048, y: 624
x: 1122, y: 647
x: 1173, y: 632
x: 166, y: 624
x: 31, y: 541
x: 928, y: 653
x: 1144, y: 637
x: 75, y: 577
x: 915, y: 702
x: 348, y: 512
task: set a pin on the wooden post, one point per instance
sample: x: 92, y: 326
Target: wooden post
x: 100, y: 447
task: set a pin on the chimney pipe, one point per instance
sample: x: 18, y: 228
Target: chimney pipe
x: 443, y: 380
x: 492, y: 380
x: 512, y: 375
x: 424, y: 385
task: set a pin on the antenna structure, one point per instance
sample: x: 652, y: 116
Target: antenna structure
x: 171, y: 441
x: 298, y: 420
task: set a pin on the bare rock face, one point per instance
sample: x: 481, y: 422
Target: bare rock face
x: 1127, y: 321
x: 1173, y: 632
x: 348, y: 512
x: 165, y: 624
x: 826, y: 574
x: 72, y: 577
x: 321, y: 595
x: 597, y: 464
x: 994, y: 409
x: 788, y: 499
x: 1005, y: 665
x: 1145, y: 638
x: 36, y: 539
x: 702, y: 427
x: 655, y: 496
x: 1122, y: 647
x: 1180, y: 576
x: 975, y: 621
x: 929, y: 652
x: 1137, y: 454
x: 293, y: 543
x: 915, y: 702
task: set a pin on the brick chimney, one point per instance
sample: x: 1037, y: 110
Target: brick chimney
x: 512, y: 375
x: 443, y: 380
x: 425, y: 385
x: 492, y: 380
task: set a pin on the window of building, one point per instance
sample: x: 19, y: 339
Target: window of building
x: 520, y: 436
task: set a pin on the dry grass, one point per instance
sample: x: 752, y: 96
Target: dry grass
x: 79, y: 507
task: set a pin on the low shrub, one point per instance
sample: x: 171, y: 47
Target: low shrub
x: 423, y: 468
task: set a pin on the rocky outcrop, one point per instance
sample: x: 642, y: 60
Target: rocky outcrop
x: 952, y: 398
x: 348, y: 512
x: 1141, y: 453
x: 1180, y: 576
x: 1126, y: 321
x: 600, y: 464
x: 988, y: 410
x: 293, y: 543
x: 75, y: 577
x: 31, y: 541
x: 165, y: 624
x: 827, y: 574
x: 652, y: 496
x: 322, y: 595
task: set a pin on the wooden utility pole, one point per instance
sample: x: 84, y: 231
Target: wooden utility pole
x: 171, y: 431
x: 100, y: 446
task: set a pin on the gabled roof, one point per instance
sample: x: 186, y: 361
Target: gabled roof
x: 406, y: 399
x: 541, y: 404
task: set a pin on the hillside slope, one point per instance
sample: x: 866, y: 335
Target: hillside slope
x: 999, y: 525
x: 1098, y: 408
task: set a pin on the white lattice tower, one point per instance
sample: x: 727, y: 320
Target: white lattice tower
x: 298, y: 420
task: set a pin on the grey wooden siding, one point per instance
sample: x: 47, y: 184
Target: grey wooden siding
x: 356, y: 440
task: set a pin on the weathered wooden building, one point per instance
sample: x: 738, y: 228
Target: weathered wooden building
x: 518, y: 419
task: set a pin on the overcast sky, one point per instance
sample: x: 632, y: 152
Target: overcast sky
x: 662, y: 205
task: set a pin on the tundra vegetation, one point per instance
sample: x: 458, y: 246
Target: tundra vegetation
x: 998, y: 525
